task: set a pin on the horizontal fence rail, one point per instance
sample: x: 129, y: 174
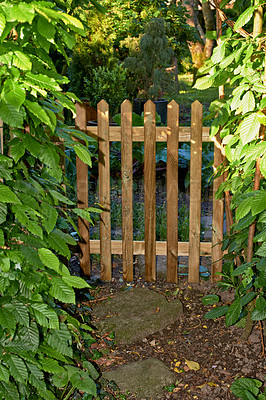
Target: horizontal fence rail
x: 127, y: 247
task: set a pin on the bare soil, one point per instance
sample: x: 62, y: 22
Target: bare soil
x: 217, y: 349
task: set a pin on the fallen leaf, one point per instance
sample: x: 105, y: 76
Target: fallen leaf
x: 192, y: 365
x: 153, y: 343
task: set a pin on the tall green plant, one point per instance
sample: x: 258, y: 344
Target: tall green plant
x: 42, y: 345
x: 240, y: 121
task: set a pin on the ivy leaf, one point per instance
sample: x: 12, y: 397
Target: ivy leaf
x: 249, y: 128
x: 49, y: 259
x: 244, y: 18
x: 248, y: 102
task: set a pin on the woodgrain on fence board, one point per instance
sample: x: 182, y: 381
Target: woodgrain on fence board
x: 104, y: 190
x: 82, y: 195
x: 172, y: 191
x: 218, y: 214
x: 150, y: 193
x: 127, y: 194
x: 161, y: 248
x: 195, y: 191
x: 161, y: 133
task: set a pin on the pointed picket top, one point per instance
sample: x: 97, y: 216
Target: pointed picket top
x: 172, y: 104
x: 196, y: 104
x: 103, y: 103
x: 126, y: 106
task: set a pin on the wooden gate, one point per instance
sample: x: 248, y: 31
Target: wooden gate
x: 127, y: 247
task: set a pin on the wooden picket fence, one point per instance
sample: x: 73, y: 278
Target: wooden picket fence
x: 127, y: 247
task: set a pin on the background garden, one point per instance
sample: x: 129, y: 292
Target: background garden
x: 54, y: 52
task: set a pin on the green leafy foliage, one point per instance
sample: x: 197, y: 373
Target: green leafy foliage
x: 38, y: 342
x: 240, y: 121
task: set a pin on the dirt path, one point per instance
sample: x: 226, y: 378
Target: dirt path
x: 220, y: 355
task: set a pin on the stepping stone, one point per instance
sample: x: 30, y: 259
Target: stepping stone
x: 136, y: 313
x: 146, y: 378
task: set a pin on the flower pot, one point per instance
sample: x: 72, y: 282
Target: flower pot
x: 160, y: 105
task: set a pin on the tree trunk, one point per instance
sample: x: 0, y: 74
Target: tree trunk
x: 210, y: 26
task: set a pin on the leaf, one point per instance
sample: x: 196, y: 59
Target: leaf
x: 82, y: 213
x: 58, y: 244
x: 244, y: 18
x: 9, y: 114
x: 37, y: 111
x: 249, y: 128
x: 3, y: 211
x: 210, y: 299
x: 49, y: 259
x: 45, y: 28
x: 9, y: 391
x: 7, y: 196
x: 62, y: 291
x: 60, y: 197
x: 83, y: 154
x: 218, y: 53
x: 13, y: 93
x: 73, y: 22
x: 233, y: 313
x: 21, y: 61
x: 203, y: 83
x: 50, y: 215
x: 51, y: 365
x: 30, y: 335
x: 192, y: 365
x: 241, y: 385
x: 83, y: 382
x: 7, y: 319
x: 21, y: 313
x: 17, y: 367
x: 248, y: 102
x: 258, y: 315
x: 227, y: 60
x: 75, y: 282
x: 2, y: 23
x: 17, y: 149
x: 247, y: 298
x: 263, y: 166
x: 45, y: 316
x: 258, y: 203
x: 244, y: 208
x: 61, y: 341
x: 4, y: 373
x: 216, y: 312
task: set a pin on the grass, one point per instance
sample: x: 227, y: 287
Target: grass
x: 187, y: 94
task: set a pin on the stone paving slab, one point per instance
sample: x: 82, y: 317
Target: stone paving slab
x: 146, y: 378
x: 136, y: 313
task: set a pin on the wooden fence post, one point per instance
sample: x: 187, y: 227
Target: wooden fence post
x: 127, y: 193
x: 172, y: 190
x: 195, y: 192
x: 150, y: 190
x: 217, y: 215
x: 82, y: 195
x: 104, y: 190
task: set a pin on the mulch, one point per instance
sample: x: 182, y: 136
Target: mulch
x: 218, y: 350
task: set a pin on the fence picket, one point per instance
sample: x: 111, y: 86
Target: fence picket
x: 217, y: 215
x: 104, y: 190
x: 150, y: 190
x: 195, y: 191
x: 82, y: 195
x: 127, y: 194
x: 172, y: 190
